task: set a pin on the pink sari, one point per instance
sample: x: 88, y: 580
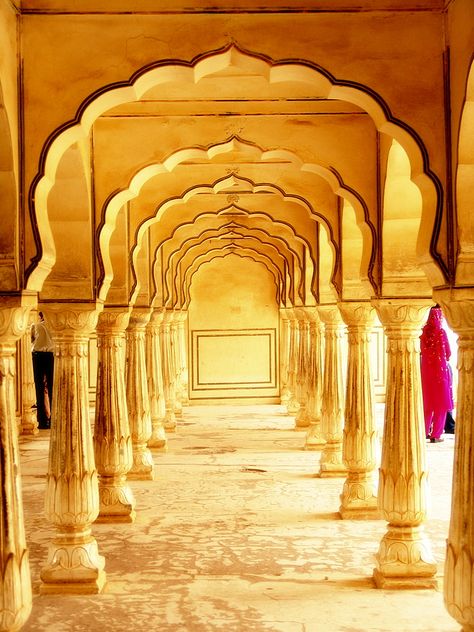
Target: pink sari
x: 435, y: 373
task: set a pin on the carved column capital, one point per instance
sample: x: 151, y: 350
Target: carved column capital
x: 357, y: 314
x: 139, y: 318
x: 113, y: 320
x: 402, y: 314
x: 156, y: 317
x: 330, y: 315
x: 71, y: 319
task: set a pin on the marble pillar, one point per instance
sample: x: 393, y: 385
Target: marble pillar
x: 29, y: 422
x: 404, y: 558
x: 15, y: 596
x: 359, y: 449
x: 332, y: 409
x: 301, y: 418
x: 181, y: 318
x: 292, y: 404
x: 72, y: 491
x: 138, y: 401
x: 158, y: 438
x: 169, y: 373
x: 284, y: 356
x: 176, y: 363
x: 112, y: 440
x: 314, y: 437
x: 458, y: 308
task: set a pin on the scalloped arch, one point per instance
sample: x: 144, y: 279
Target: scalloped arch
x: 159, y: 73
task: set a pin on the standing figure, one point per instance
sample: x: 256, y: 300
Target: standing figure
x: 43, y: 366
x: 435, y: 375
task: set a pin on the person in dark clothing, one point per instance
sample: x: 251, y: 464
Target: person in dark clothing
x: 43, y: 368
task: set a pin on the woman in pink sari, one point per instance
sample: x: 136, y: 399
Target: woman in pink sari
x: 435, y: 375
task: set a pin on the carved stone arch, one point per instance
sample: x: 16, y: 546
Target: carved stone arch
x: 274, y: 72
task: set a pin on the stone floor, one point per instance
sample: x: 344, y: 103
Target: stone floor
x: 237, y: 534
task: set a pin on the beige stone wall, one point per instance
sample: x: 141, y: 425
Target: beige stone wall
x: 233, y: 329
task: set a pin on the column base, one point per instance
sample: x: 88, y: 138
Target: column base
x: 302, y: 421
x: 169, y: 422
x: 143, y: 466
x: 331, y: 473
x: 73, y: 567
x: 29, y: 423
x: 116, y: 504
x: 314, y: 438
x: 292, y: 406
x: 158, y: 437
x: 405, y: 560
x: 360, y: 513
x: 391, y: 582
x: 331, y: 464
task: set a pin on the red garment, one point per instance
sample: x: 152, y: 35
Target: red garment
x: 435, y: 373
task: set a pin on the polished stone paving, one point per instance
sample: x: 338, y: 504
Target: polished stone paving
x: 237, y: 534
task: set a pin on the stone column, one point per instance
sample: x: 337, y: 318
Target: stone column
x: 302, y: 419
x: 169, y: 373
x: 176, y: 363
x: 72, y: 493
x: 138, y: 400
x: 155, y: 381
x: 284, y: 356
x: 314, y: 437
x: 404, y: 559
x: 359, y: 450
x: 29, y: 422
x: 112, y: 440
x: 15, y: 595
x: 292, y: 404
x: 332, y: 410
x: 458, y: 308
x: 183, y: 355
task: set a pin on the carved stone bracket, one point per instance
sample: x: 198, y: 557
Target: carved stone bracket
x: 404, y: 559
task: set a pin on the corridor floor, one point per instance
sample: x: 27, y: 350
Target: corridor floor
x: 237, y: 534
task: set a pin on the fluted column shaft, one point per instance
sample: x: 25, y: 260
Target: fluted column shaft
x: 155, y: 381
x: 15, y: 596
x: 183, y: 355
x: 72, y: 492
x: 332, y: 409
x: 404, y: 559
x: 112, y: 440
x: 301, y: 419
x: 458, y: 308
x: 359, y: 449
x: 284, y: 356
x: 292, y: 403
x: 29, y: 422
x: 138, y: 400
x: 314, y: 437
x: 169, y: 372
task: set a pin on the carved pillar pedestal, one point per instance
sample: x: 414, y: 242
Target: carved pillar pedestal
x: 458, y: 308
x: 404, y: 559
x: 15, y: 587
x: 314, y: 437
x: 29, y: 422
x: 292, y: 404
x: 72, y: 493
x: 138, y: 401
x: 169, y: 373
x: 359, y: 451
x: 302, y: 419
x: 158, y: 438
x: 284, y: 356
x: 332, y: 409
x: 112, y: 440
x: 183, y: 355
